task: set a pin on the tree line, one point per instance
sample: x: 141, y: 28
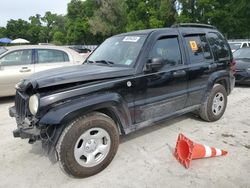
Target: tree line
x: 91, y: 21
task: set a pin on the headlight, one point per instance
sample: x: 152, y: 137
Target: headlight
x: 33, y: 104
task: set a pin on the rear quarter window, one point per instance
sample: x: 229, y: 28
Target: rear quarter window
x: 219, y: 46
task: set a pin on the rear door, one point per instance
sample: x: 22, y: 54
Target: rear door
x: 49, y: 58
x: 14, y: 67
x: 207, y: 54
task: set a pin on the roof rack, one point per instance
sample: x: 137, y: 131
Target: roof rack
x: 193, y: 25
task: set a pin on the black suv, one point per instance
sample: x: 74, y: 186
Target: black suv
x: 131, y: 81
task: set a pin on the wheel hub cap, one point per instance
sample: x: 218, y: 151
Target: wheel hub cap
x: 218, y: 103
x: 92, y: 147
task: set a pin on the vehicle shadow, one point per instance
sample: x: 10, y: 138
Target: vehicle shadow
x: 43, y: 150
x: 5, y: 100
x: 242, y: 85
x: 157, y: 126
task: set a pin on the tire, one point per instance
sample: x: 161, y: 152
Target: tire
x: 211, y: 111
x: 80, y: 142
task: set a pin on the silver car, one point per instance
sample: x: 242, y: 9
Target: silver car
x: 19, y: 62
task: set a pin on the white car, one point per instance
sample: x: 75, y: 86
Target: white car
x: 19, y: 62
x: 235, y: 45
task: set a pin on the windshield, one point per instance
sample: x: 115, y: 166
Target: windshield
x: 120, y: 50
x: 235, y: 46
x: 2, y: 50
x: 243, y: 53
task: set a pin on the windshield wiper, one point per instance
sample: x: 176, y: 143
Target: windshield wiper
x: 88, y: 61
x: 110, y: 63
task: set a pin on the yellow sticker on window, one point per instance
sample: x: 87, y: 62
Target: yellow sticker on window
x: 193, y: 45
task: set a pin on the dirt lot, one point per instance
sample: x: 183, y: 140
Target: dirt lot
x: 144, y: 158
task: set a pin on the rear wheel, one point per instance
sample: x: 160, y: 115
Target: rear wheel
x: 215, y: 104
x: 88, y: 145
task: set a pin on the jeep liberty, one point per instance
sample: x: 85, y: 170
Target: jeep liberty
x: 132, y: 80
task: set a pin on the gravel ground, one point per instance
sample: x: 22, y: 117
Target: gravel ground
x: 145, y: 158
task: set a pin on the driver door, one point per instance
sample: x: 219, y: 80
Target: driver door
x: 162, y: 92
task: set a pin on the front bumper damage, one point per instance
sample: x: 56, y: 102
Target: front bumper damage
x: 26, y: 129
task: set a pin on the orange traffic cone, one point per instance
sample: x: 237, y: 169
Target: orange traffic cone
x: 186, y: 150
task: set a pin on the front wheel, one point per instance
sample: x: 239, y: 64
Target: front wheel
x: 215, y: 104
x: 88, y: 145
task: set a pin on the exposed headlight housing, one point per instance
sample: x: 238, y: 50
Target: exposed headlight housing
x: 33, y: 104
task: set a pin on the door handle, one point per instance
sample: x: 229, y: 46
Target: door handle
x: 179, y: 73
x: 25, y: 69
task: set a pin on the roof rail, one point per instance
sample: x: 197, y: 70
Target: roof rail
x: 193, y: 25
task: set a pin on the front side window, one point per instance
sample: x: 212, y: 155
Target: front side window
x: 19, y: 57
x: 167, y: 49
x: 119, y: 50
x: 51, y: 56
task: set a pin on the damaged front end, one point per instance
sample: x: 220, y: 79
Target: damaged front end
x: 28, y: 126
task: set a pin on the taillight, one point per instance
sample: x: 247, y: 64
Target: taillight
x: 233, y: 66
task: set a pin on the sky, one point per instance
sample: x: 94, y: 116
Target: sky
x: 15, y: 9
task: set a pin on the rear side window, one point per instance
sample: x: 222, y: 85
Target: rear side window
x: 168, y: 49
x: 198, y: 48
x: 51, y: 56
x: 218, y: 45
x: 19, y: 57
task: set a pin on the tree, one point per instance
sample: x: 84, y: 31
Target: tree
x: 2, y: 32
x: 35, y: 28
x: 150, y: 14
x: 229, y: 16
x: 78, y: 29
x: 109, y: 19
x: 53, y: 23
x: 17, y: 29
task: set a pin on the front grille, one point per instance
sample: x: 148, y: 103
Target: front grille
x: 20, y: 104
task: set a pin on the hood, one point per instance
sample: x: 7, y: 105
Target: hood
x: 79, y: 73
x: 242, y: 64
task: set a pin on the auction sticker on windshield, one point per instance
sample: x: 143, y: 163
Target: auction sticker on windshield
x: 131, y: 39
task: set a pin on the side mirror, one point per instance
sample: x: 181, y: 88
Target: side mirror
x: 154, y: 64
